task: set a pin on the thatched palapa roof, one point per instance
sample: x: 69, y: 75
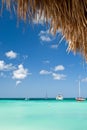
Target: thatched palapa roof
x: 69, y: 16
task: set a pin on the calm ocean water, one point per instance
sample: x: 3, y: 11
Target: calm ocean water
x: 43, y: 115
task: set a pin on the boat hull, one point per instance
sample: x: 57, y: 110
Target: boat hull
x: 59, y: 98
x: 80, y: 99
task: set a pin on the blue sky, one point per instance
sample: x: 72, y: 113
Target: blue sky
x: 33, y: 62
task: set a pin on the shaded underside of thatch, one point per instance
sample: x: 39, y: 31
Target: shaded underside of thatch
x: 69, y: 16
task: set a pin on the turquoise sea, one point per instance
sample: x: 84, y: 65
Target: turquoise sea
x: 43, y: 115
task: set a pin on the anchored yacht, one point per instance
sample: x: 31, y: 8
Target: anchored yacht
x: 79, y: 98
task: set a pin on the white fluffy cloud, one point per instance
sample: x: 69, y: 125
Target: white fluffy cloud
x: 11, y: 54
x: 59, y: 68
x: 45, y: 38
x: 52, y: 72
x: 45, y: 72
x: 18, y: 82
x: 5, y: 67
x: 58, y: 76
x: 84, y: 80
x: 20, y: 73
x: 44, y: 32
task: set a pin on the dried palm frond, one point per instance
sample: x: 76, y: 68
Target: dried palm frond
x: 68, y: 15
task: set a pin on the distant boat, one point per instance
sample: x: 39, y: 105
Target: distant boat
x: 79, y: 98
x: 59, y: 97
x: 26, y: 99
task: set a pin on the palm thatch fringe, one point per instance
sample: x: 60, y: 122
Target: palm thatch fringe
x: 68, y: 15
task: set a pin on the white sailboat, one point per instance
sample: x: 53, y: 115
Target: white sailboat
x: 79, y: 98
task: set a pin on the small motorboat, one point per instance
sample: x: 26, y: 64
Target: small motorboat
x: 59, y: 97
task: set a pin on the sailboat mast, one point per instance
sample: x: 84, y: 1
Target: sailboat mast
x: 46, y: 96
x: 79, y: 88
x: 79, y: 98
